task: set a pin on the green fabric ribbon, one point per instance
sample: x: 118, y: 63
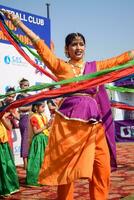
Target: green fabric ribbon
x: 71, y: 80
x: 119, y: 89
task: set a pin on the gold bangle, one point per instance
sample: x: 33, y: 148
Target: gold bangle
x: 16, y: 22
x: 35, y: 39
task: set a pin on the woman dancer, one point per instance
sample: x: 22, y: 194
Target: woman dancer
x: 81, y: 142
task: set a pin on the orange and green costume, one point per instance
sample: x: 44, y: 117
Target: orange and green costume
x: 37, y: 149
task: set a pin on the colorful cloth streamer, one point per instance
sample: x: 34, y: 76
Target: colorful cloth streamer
x: 126, y: 78
x: 121, y: 105
x: 21, y: 51
x: 77, y: 79
x: 67, y: 89
x: 82, y: 82
x: 120, y: 89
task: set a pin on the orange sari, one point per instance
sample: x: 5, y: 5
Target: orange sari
x: 71, y: 148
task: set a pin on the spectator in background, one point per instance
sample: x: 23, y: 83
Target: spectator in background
x: 10, y: 97
x: 23, y: 123
x: 14, y: 115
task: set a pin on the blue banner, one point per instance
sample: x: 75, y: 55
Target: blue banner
x: 39, y: 25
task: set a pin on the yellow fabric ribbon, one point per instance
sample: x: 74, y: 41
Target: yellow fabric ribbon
x: 3, y: 133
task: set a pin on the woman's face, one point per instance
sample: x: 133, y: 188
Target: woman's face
x: 76, y: 49
x: 10, y: 98
x: 41, y: 108
x: 24, y: 85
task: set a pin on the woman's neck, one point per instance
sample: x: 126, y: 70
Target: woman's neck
x: 77, y: 63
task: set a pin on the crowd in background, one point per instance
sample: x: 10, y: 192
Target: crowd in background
x: 34, y: 125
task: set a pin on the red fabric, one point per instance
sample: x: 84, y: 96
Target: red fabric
x: 122, y: 106
x: 71, y: 88
x: 24, y: 54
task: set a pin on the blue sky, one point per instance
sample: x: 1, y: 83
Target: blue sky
x: 108, y: 25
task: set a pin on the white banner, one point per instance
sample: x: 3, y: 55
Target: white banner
x: 13, y: 67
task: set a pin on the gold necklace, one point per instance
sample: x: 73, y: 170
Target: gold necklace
x: 82, y: 67
x: 78, y: 65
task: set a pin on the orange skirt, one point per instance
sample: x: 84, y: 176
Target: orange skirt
x: 70, y: 152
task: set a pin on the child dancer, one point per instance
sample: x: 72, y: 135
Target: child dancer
x: 9, y: 183
x: 39, y: 125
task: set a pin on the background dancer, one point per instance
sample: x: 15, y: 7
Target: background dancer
x: 39, y: 128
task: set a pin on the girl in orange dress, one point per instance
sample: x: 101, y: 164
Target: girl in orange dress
x: 39, y: 140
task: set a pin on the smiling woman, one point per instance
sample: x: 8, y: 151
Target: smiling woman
x: 76, y: 48
x: 81, y: 143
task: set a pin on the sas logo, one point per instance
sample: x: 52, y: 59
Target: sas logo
x: 15, y: 60
x: 7, y: 60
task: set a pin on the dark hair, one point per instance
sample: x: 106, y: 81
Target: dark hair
x: 35, y: 105
x: 70, y: 37
x: 23, y: 80
x: 10, y: 89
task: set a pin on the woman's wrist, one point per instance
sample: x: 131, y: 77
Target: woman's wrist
x: 16, y: 21
x: 31, y: 35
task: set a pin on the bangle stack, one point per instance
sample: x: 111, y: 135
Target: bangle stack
x: 16, y: 21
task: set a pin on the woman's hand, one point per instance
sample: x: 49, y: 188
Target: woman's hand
x: 18, y: 23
